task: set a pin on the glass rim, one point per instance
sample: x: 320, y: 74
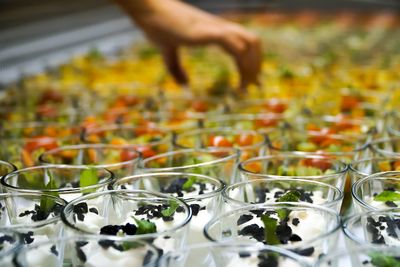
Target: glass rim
x: 350, y: 220
x: 292, y: 155
x: 8, y: 164
x: 221, y: 184
x: 193, y: 132
x: 239, y: 247
x: 318, y: 183
x: 373, y: 145
x: 267, y: 206
x: 155, y: 195
x: 86, y: 237
x: 111, y: 177
x: 37, y: 223
x: 355, y: 163
x: 234, y: 154
x: 376, y: 176
x: 244, y: 116
x: 42, y: 157
x: 339, y: 253
x: 125, y: 126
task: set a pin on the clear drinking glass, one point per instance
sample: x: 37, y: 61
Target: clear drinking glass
x: 231, y: 255
x: 296, y: 165
x: 378, y: 191
x: 362, y: 256
x: 136, y: 214
x: 249, y: 142
x: 377, y: 228
x: 6, y: 167
x: 202, y: 194
x: 67, y: 182
x: 272, y: 190
x: 306, y: 229
x: 219, y: 163
x: 85, y: 251
x: 121, y: 160
x: 388, y: 147
x: 34, y: 216
x: 362, y: 168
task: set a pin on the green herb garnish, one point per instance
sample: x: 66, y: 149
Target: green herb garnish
x: 127, y: 245
x: 380, y: 260
x: 270, y: 225
x: 47, y: 203
x: 290, y: 196
x: 189, y: 183
x: 168, y: 212
x: 88, y: 177
x: 387, y: 196
x: 145, y: 227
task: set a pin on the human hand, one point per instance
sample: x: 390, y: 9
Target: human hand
x: 171, y: 24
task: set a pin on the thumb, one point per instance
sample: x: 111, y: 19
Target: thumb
x: 173, y: 64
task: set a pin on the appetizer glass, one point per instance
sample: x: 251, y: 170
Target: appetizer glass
x: 34, y: 216
x: 362, y: 168
x: 296, y: 165
x: 88, y: 251
x: 388, y: 147
x: 121, y: 160
x: 362, y: 256
x: 274, y: 190
x: 306, y: 229
x: 249, y: 142
x: 6, y: 167
x: 376, y: 228
x: 202, y: 194
x: 136, y: 214
x: 219, y: 163
x: 67, y: 182
x: 378, y: 191
x: 10, y: 243
x: 231, y: 255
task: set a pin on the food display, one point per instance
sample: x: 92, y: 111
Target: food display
x: 158, y: 174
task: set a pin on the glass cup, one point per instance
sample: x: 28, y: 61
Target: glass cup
x: 34, y: 216
x: 202, y: 193
x: 378, y: 191
x: 121, y: 160
x: 219, y: 163
x: 249, y: 142
x: 67, y: 182
x: 9, y: 244
x: 143, y: 215
x: 306, y: 229
x: 377, y: 228
x: 362, y: 168
x: 231, y: 255
x: 85, y: 251
x: 296, y: 165
x: 273, y: 190
x: 362, y: 256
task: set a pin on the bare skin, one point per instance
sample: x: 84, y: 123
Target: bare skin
x: 171, y: 24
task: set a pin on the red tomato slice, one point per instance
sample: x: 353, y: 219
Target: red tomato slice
x: 146, y: 151
x: 244, y: 139
x: 220, y: 141
x: 40, y: 142
x: 127, y: 154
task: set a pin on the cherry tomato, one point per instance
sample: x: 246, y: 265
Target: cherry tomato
x: 349, y: 102
x: 244, y: 139
x: 220, y: 141
x: 40, y: 142
x: 128, y: 154
x: 199, y: 106
x: 321, y: 135
x: 322, y: 163
x: 146, y: 151
x: 276, y: 106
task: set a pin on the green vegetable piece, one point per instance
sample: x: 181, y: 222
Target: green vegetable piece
x: 47, y: 203
x: 290, y: 196
x: 187, y: 186
x: 88, y: 177
x: 145, y: 227
x: 387, y: 196
x: 380, y: 260
x: 306, y: 146
x: 270, y: 225
x: 128, y: 245
x: 283, y: 213
x: 168, y: 212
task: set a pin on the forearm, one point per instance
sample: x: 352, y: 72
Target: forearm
x: 138, y: 9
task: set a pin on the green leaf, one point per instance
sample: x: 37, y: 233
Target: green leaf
x: 187, y: 186
x: 168, y: 212
x: 283, y: 213
x: 127, y: 245
x: 270, y: 225
x: 47, y: 203
x: 290, y: 196
x: 145, y: 227
x: 387, y: 196
x: 88, y: 177
x: 380, y: 260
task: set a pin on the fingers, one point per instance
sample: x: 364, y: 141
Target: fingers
x: 171, y: 59
x: 246, y: 50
